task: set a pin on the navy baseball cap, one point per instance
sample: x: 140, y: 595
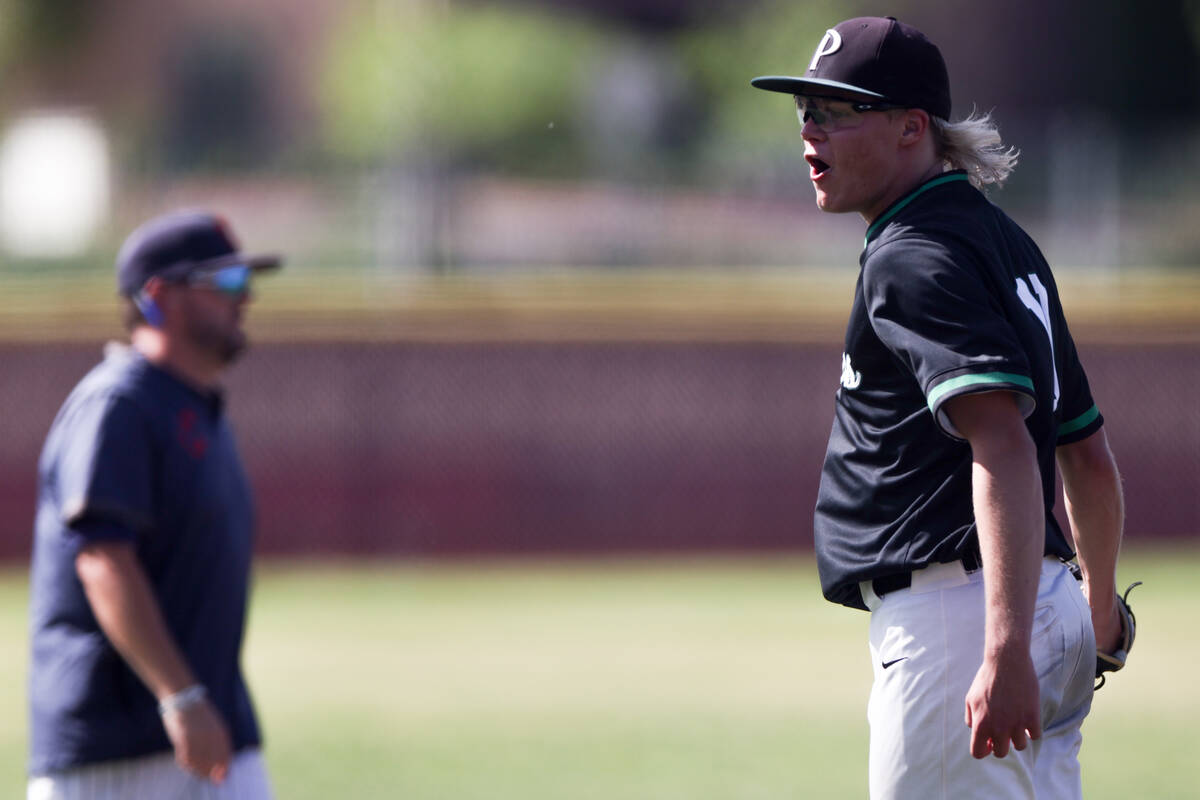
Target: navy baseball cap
x: 175, y: 244
x: 873, y: 60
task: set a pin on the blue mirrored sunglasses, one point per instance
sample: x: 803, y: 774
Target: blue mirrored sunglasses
x: 233, y: 279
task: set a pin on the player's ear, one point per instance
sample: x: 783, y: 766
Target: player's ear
x: 149, y: 301
x: 154, y: 288
x: 916, y: 125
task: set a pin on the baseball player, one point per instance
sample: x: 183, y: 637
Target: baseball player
x: 142, y: 544
x: 960, y: 389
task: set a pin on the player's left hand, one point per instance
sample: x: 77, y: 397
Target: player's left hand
x: 1106, y: 622
x: 1003, y: 704
x: 201, y: 740
x: 1111, y: 652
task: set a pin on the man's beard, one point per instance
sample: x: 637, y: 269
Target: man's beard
x: 225, y: 344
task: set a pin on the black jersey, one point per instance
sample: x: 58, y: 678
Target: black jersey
x: 953, y: 297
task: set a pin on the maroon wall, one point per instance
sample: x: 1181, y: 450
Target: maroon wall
x: 443, y: 449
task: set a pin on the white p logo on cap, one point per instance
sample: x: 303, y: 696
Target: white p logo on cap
x: 830, y: 43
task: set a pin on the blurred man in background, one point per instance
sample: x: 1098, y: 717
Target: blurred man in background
x: 960, y: 387
x: 142, y: 545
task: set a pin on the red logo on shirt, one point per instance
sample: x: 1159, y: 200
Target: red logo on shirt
x: 189, y: 438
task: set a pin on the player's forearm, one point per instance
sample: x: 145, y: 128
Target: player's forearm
x: 1009, y: 514
x: 1007, y: 497
x: 127, y: 611
x: 1095, y: 508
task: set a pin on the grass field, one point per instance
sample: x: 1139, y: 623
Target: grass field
x: 634, y: 679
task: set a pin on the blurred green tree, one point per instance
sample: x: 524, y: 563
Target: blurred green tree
x: 35, y: 32
x: 42, y: 26
x: 8, y: 16
x: 423, y: 79
x: 774, y: 37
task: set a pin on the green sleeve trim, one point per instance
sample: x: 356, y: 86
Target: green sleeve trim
x: 894, y: 210
x: 981, y: 379
x: 1082, y: 421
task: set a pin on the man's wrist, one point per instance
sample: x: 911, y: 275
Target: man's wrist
x: 182, y: 700
x: 1007, y: 644
x: 1102, y: 599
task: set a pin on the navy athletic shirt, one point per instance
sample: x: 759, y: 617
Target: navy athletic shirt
x: 137, y: 455
x: 953, y: 297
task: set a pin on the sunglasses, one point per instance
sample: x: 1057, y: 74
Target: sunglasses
x: 835, y: 115
x: 232, y: 280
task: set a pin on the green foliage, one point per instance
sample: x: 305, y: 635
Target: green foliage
x: 414, y: 78
x: 1191, y: 13
x: 39, y: 31
x: 8, y: 17
x: 777, y: 39
x: 455, y: 83
x: 44, y: 26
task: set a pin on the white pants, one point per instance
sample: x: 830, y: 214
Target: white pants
x: 930, y: 636
x: 155, y: 777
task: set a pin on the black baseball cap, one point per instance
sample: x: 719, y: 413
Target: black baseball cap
x: 175, y: 244
x: 873, y: 60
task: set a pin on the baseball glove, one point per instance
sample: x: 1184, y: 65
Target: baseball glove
x: 1111, y: 662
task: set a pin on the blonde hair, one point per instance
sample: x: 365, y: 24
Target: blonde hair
x: 974, y: 145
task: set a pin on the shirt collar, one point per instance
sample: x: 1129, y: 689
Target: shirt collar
x: 211, y: 400
x: 892, y: 210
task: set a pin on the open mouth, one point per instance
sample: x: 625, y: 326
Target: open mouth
x: 818, y: 166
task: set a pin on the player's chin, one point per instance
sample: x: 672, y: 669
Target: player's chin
x: 827, y: 202
x: 834, y: 203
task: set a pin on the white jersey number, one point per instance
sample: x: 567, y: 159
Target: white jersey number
x: 1033, y: 294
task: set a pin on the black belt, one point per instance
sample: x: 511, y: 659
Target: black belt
x: 902, y: 580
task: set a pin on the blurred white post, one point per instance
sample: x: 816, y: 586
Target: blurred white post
x: 1085, y: 193
x: 54, y: 184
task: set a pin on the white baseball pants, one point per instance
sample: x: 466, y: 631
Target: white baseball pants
x: 930, y: 637
x: 155, y: 777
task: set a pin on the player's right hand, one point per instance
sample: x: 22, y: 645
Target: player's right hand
x: 1002, y: 706
x: 201, y: 740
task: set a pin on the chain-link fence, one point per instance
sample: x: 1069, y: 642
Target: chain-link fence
x: 436, y: 449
